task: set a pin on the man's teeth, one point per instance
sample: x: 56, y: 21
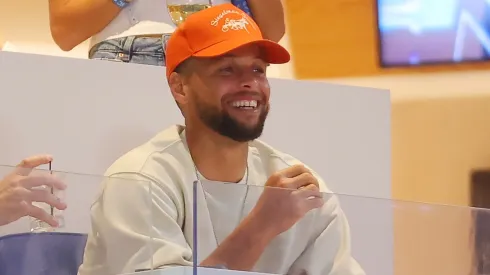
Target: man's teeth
x: 246, y: 104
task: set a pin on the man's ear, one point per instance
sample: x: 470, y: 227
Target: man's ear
x: 176, y: 83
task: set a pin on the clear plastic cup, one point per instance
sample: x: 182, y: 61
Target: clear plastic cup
x: 36, y: 225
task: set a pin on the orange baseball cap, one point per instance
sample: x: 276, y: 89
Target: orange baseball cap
x: 215, y: 31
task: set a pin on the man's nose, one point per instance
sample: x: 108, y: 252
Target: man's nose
x: 249, y: 82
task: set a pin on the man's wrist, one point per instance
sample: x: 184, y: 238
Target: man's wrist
x: 259, y: 228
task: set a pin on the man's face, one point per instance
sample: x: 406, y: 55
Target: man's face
x: 230, y: 94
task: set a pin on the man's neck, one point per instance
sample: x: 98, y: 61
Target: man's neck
x: 217, y: 158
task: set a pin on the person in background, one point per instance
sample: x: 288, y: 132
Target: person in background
x: 18, y: 191
x: 217, y: 75
x: 135, y: 31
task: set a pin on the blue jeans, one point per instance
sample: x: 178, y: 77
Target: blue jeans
x: 132, y: 49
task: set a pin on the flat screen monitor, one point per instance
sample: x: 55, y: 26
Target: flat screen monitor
x: 418, y: 32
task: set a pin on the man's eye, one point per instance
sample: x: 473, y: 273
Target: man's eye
x: 226, y: 70
x: 259, y: 70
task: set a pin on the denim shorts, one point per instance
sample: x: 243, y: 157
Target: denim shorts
x: 132, y: 49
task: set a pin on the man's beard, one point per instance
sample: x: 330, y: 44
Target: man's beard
x: 224, y: 124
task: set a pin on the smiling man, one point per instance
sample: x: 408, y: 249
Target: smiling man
x: 216, y: 70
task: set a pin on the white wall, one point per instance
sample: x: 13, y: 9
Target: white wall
x: 44, y: 48
x: 87, y: 117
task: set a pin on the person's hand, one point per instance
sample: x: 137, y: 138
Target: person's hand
x: 288, y: 196
x: 19, y: 189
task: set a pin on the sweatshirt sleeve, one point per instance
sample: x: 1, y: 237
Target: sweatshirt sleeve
x: 134, y: 226
x: 329, y: 253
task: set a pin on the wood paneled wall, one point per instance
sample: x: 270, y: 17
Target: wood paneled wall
x: 338, y: 38
x: 436, y: 144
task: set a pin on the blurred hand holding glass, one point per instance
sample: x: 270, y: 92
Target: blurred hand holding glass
x: 29, y: 247
x: 27, y: 191
x: 179, y: 10
x: 49, y: 194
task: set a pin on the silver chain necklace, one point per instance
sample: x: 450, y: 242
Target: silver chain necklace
x: 198, y: 178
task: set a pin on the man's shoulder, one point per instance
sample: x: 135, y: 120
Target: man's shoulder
x: 162, y: 149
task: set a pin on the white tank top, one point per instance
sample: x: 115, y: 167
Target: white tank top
x: 141, y: 17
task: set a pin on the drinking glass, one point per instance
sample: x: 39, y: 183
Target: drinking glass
x: 36, y: 225
x: 179, y: 10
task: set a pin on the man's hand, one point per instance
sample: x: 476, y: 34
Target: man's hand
x: 288, y: 196
x: 18, y: 190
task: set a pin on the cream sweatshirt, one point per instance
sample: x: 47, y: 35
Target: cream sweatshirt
x: 148, y: 221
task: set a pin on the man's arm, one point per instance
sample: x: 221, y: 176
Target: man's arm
x: 243, y: 248
x: 74, y: 21
x: 269, y: 15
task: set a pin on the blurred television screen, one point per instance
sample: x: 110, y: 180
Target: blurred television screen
x: 416, y: 32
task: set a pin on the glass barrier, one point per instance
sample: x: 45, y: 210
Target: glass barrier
x: 104, y: 222
x: 113, y: 227
x: 283, y: 231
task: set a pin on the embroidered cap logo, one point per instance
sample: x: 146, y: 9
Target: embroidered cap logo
x: 232, y: 24
x: 236, y: 25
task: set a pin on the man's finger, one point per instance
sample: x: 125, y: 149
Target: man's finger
x: 26, y: 165
x: 42, y: 180
x: 294, y: 171
x: 310, y: 191
x: 46, y: 197
x: 301, y: 181
x: 41, y: 215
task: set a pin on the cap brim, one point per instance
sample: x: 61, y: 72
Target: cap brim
x: 273, y: 52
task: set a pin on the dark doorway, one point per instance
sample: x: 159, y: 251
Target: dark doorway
x: 480, y: 197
